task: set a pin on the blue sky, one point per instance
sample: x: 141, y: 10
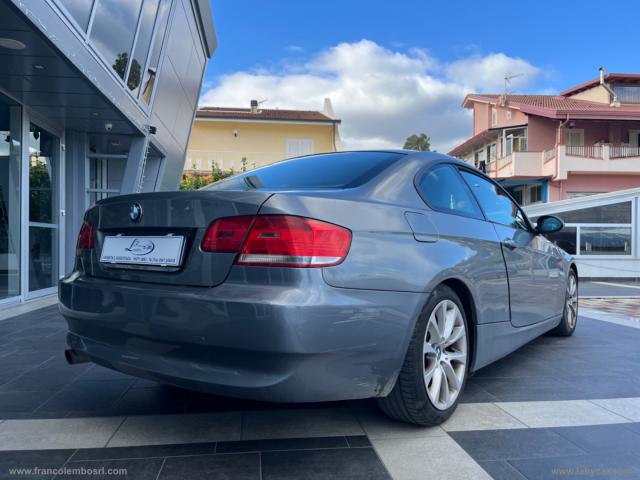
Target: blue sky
x: 381, y: 54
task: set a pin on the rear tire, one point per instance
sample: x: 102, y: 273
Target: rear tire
x: 570, y: 314
x: 435, y: 369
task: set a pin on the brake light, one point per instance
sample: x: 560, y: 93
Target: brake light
x: 85, y: 238
x: 289, y: 241
x: 225, y: 235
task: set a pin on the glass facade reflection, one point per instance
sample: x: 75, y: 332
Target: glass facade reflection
x: 128, y: 35
x: 598, y: 230
x: 79, y: 10
x: 43, y: 209
x: 140, y: 53
x: 113, y: 30
x: 10, y: 155
x: 154, y: 57
x: 605, y: 241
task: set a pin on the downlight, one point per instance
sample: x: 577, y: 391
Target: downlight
x: 11, y: 44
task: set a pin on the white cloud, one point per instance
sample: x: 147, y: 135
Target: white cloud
x: 381, y: 95
x: 488, y: 72
x: 294, y: 49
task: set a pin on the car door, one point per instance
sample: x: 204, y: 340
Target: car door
x: 535, y: 273
x: 457, y: 239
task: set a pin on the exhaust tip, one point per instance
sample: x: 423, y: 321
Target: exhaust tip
x: 73, y: 357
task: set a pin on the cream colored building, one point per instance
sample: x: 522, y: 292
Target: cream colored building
x: 224, y: 136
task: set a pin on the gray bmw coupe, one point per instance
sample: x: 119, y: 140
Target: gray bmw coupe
x: 386, y: 274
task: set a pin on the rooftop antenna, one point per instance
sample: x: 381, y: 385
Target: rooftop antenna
x: 507, y: 81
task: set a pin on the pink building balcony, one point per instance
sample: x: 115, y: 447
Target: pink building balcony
x: 596, y: 159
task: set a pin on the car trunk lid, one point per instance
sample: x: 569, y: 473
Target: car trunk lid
x: 164, y: 215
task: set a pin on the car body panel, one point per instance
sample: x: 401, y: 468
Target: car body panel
x: 303, y: 334
x: 279, y: 334
x: 536, y: 275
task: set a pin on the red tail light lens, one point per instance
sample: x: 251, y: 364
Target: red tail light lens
x: 85, y: 238
x: 288, y: 241
x: 225, y: 235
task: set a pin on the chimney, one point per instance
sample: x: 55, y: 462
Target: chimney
x: 612, y: 95
x: 254, y: 106
x: 327, y: 108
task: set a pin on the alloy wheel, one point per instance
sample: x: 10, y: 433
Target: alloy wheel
x: 572, y: 301
x: 445, y: 354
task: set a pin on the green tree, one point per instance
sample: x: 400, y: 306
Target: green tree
x: 418, y: 142
x: 120, y: 65
x: 134, y: 75
x: 243, y: 164
x: 196, y: 180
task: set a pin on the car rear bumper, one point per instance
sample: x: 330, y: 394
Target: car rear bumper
x: 279, y: 340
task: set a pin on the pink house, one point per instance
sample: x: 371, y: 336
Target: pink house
x: 550, y: 147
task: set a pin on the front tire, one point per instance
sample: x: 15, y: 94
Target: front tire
x: 570, y: 314
x: 435, y: 369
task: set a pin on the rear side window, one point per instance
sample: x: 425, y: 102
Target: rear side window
x: 443, y: 189
x: 327, y: 171
x: 497, y: 205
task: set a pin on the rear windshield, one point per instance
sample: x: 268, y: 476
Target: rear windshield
x: 327, y: 171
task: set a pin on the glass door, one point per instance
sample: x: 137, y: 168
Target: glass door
x: 10, y: 181
x: 43, y: 253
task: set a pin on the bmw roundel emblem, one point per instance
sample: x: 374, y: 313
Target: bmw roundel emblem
x: 135, y: 212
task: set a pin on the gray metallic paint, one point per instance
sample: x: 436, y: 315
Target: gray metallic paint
x: 287, y: 334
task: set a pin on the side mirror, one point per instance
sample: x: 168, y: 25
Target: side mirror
x: 549, y: 224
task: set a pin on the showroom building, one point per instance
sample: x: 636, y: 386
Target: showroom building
x: 601, y: 232
x: 97, y: 98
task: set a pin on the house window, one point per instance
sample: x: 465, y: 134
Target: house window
x: 494, y: 117
x: 492, y: 152
x: 575, y: 141
x: 297, y: 147
x: 627, y: 94
x: 535, y: 194
x: 526, y: 194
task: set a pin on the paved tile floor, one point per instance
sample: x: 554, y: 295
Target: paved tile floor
x: 556, y: 407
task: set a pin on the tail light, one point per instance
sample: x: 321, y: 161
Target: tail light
x: 279, y: 241
x: 225, y: 235
x: 85, y: 238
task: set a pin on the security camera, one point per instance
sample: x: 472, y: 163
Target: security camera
x: 108, y: 126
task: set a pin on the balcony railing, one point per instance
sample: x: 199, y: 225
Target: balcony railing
x: 623, y: 151
x: 549, y: 155
x: 590, y: 151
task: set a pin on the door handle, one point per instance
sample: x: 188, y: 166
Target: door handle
x: 509, y: 243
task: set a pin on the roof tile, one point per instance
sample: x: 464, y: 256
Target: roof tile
x: 264, y: 114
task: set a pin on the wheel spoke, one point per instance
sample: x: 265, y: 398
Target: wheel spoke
x: 428, y: 375
x: 450, y: 374
x: 436, y: 381
x: 433, y: 329
x: 449, y: 321
x: 459, y: 357
x: 456, y: 334
x: 444, y: 388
